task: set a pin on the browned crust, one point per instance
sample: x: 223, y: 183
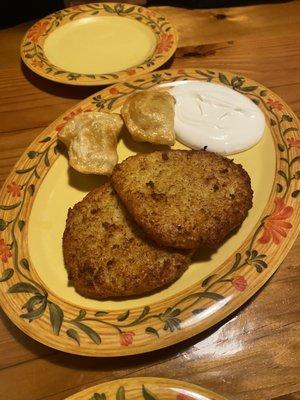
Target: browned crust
x: 107, y: 255
x: 184, y: 198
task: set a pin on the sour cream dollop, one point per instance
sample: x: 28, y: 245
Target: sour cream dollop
x: 212, y: 115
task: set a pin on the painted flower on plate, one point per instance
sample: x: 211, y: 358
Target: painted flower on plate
x: 275, y: 225
x: 14, y: 189
x: 37, y: 63
x: 240, y: 283
x: 38, y: 30
x: 165, y: 43
x: 5, y: 252
x: 275, y: 104
x: 131, y: 71
x: 293, y: 142
x: 113, y: 91
x: 126, y: 338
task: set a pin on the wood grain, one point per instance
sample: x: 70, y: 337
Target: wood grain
x: 254, y: 354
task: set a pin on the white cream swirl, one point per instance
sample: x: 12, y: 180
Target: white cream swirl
x: 212, y: 115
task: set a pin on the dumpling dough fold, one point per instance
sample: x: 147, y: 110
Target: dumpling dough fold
x: 149, y: 116
x: 91, y: 138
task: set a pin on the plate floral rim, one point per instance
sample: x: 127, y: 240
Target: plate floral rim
x: 32, y: 51
x: 61, y: 325
x: 146, y: 388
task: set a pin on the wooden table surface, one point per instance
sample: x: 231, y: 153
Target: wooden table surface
x: 253, y: 354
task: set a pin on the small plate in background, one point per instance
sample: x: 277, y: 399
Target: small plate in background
x: 98, y: 43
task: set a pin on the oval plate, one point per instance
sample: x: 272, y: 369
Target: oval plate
x: 33, y: 51
x: 146, y: 388
x: 33, y: 206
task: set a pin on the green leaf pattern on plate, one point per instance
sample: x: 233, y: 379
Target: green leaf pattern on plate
x: 33, y: 51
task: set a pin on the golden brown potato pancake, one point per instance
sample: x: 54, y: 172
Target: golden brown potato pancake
x: 107, y: 255
x: 182, y: 198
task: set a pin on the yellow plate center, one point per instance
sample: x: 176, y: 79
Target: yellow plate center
x: 98, y: 45
x: 63, y: 187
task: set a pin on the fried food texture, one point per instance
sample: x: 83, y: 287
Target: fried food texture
x: 107, y: 255
x: 184, y: 199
